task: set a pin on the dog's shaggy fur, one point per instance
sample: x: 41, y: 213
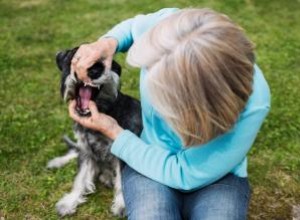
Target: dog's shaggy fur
x: 93, y: 148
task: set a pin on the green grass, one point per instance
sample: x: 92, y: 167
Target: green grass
x: 33, y: 118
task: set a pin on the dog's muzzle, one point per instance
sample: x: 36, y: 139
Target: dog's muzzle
x: 84, y: 94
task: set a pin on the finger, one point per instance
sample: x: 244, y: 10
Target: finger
x: 81, y: 72
x: 107, y: 63
x: 72, y: 71
x: 82, y: 67
x: 72, y: 110
x: 93, y: 108
x: 73, y: 66
x: 94, y: 111
x: 73, y: 114
x: 80, y: 120
x: 72, y: 104
x: 75, y: 59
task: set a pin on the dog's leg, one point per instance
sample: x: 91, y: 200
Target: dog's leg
x: 71, y: 144
x: 63, y: 160
x: 107, y: 177
x: 118, y: 206
x: 83, y: 184
x: 58, y: 162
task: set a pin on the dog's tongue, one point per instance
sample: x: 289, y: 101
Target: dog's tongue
x: 85, y: 94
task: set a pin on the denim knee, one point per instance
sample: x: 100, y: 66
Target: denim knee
x: 227, y: 199
x: 146, y: 199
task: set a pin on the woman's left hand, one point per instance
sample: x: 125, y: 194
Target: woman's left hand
x: 97, y: 121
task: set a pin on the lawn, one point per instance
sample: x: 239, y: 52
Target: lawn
x: 33, y: 118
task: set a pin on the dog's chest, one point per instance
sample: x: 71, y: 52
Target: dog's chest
x: 93, y: 144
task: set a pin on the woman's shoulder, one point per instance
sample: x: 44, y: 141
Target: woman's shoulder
x: 260, y: 97
x: 143, y: 22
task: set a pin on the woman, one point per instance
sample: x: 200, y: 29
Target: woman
x: 203, y: 103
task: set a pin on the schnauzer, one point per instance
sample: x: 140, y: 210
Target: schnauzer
x: 93, y: 148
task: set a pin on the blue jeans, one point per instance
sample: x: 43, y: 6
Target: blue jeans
x: 145, y: 199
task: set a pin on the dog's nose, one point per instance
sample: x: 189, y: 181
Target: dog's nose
x: 96, y: 70
x: 94, y: 73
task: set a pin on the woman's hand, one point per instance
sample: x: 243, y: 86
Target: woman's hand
x: 88, y: 54
x: 97, y: 121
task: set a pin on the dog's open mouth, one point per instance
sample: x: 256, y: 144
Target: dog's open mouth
x: 84, y: 94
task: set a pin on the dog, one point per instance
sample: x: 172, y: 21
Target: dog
x: 93, y: 148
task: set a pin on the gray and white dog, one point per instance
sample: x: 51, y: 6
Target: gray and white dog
x: 93, y: 148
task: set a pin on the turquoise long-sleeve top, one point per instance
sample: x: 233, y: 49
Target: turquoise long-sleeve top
x: 159, y: 153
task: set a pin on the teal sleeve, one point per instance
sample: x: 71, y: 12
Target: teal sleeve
x: 122, y: 33
x: 194, y: 167
x: 127, y: 31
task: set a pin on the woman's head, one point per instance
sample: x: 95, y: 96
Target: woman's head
x: 200, y: 70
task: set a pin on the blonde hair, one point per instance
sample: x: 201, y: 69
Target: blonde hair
x: 200, y: 72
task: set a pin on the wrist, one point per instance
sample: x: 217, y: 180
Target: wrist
x: 109, y: 42
x: 113, y: 43
x: 115, y: 132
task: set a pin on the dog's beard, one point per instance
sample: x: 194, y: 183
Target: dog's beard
x: 103, y: 88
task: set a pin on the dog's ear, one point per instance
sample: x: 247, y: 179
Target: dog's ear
x: 59, y: 59
x: 116, y: 68
x: 65, y: 57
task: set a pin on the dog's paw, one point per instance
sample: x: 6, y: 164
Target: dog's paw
x: 55, y: 163
x: 63, y: 160
x: 68, y: 204
x: 118, y: 206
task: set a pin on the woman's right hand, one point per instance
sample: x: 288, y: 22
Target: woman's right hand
x: 88, y: 54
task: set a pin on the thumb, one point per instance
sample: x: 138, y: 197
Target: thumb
x: 107, y: 63
x: 93, y: 107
